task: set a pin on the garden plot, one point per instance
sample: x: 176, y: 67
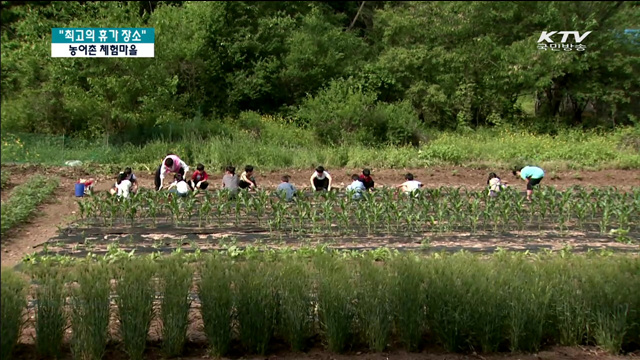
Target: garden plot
x: 439, y: 219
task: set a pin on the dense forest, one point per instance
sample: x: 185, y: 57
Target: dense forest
x: 371, y: 72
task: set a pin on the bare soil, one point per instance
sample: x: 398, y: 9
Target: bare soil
x: 61, y: 209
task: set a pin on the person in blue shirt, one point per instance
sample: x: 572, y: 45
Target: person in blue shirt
x: 532, y: 175
x: 356, y: 188
x: 286, y: 189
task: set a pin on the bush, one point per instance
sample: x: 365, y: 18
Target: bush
x: 344, y: 111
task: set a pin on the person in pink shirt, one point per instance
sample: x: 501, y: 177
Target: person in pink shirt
x: 170, y: 164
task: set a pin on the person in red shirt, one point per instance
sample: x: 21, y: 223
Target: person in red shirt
x: 199, y: 178
x: 366, y: 179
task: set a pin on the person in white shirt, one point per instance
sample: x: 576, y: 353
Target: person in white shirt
x: 171, y: 164
x: 320, y: 180
x: 495, y: 184
x: 182, y: 187
x: 410, y: 186
x: 356, y: 188
x: 123, y: 186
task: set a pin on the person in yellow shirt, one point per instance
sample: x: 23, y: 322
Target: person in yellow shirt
x: 246, y: 179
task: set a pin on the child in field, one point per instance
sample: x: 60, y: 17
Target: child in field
x: 88, y: 185
x: 366, y: 179
x: 182, y: 187
x: 230, y: 180
x: 320, y: 180
x: 171, y: 164
x: 199, y: 178
x: 495, y: 184
x: 356, y: 188
x: 129, y: 176
x: 410, y: 186
x: 123, y: 186
x: 533, y: 175
x: 286, y: 188
x: 246, y: 179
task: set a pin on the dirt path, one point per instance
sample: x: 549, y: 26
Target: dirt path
x: 61, y: 209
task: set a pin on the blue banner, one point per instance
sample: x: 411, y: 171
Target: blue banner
x: 103, y: 36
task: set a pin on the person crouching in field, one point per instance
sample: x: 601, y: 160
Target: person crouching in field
x: 366, y: 179
x: 170, y: 164
x: 356, y: 188
x: 230, y: 180
x: 124, y: 186
x: 320, y: 180
x: 533, y: 175
x: 410, y: 186
x: 286, y: 189
x: 199, y: 178
x: 246, y: 179
x: 88, y: 185
x: 495, y: 184
x: 182, y: 187
x: 129, y: 176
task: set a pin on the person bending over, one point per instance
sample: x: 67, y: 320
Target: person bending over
x: 320, y: 180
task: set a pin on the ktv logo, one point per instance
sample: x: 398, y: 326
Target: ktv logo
x: 545, y: 42
x: 546, y: 36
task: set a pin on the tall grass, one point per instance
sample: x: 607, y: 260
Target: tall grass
x: 256, y: 304
x: 176, y: 279
x: 528, y: 299
x: 286, y: 146
x: 14, y: 302
x: 449, y: 303
x: 518, y: 302
x: 216, y: 297
x: 296, y: 315
x: 91, y: 310
x: 373, y: 289
x: 335, y: 303
x: 407, y: 296
x: 51, y: 320
x: 136, y: 294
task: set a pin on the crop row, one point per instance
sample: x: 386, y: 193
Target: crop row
x: 24, y: 199
x: 513, y: 302
x: 439, y: 210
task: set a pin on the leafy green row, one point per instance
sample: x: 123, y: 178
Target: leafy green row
x: 24, y: 200
x: 4, y: 179
x: 507, y: 302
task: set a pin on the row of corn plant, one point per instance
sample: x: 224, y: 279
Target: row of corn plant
x: 375, y: 300
x: 434, y: 210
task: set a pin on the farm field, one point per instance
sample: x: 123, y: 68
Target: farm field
x: 418, y: 231
x: 453, y: 213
